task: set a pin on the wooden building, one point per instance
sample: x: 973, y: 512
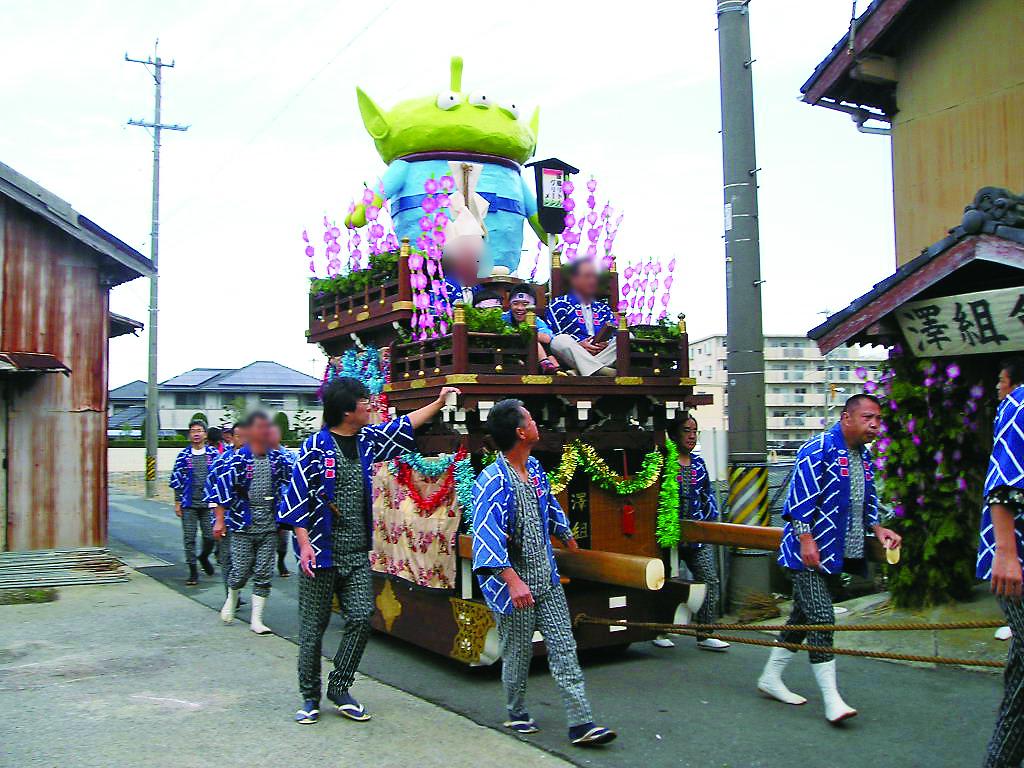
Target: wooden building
x: 56, y: 270
x: 947, y: 76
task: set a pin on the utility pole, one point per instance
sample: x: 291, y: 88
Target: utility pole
x: 155, y: 67
x: 745, y: 359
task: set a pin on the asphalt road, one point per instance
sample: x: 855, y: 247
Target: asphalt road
x: 671, y: 707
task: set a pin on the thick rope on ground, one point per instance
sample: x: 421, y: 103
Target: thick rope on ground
x: 687, y: 629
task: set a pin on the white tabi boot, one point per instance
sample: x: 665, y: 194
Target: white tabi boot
x: 256, y: 624
x: 227, y: 613
x: 836, y: 709
x: 770, y: 683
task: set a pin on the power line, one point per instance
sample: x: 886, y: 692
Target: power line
x: 281, y: 111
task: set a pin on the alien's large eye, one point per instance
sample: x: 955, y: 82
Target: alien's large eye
x: 512, y: 108
x: 480, y: 99
x: 447, y: 100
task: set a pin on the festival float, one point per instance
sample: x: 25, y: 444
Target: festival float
x: 380, y: 310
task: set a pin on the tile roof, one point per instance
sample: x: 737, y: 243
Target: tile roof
x: 134, y: 390
x: 261, y: 374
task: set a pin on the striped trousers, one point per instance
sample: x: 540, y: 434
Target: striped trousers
x: 549, y: 615
x: 195, y: 519
x: 350, y: 581
x: 700, y: 561
x: 252, y: 554
x: 812, y: 604
x: 1006, y: 747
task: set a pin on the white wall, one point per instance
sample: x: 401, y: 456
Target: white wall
x: 134, y: 459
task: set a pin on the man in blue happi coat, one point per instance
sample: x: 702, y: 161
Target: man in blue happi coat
x: 1001, y: 552
x: 576, y: 318
x: 696, y: 502
x: 246, y: 496
x: 514, y: 517
x: 328, y: 505
x: 188, y: 479
x: 830, y: 507
x: 235, y: 435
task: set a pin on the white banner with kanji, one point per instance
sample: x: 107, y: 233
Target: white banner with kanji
x: 966, y: 324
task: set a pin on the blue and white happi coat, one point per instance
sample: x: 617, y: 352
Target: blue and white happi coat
x: 700, y: 501
x: 181, y: 474
x: 234, y: 476
x: 288, y: 455
x: 210, y: 489
x: 494, y: 509
x: 819, y: 496
x: 1005, y: 469
x: 305, y: 503
x: 565, y: 315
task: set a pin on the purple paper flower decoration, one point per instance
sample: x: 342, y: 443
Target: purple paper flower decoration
x: 953, y: 371
x: 447, y: 183
x: 668, y: 283
x: 569, y: 204
x: 367, y: 196
x: 429, y: 204
x: 309, y: 251
x: 591, y: 202
x: 570, y: 221
x: 916, y: 440
x: 439, y: 238
x: 899, y: 510
x: 305, y: 236
x: 625, y: 289
x: 870, y: 387
x: 415, y: 261
x: 426, y: 224
x: 592, y: 185
x: 443, y: 201
x: 977, y: 392
x: 961, y: 484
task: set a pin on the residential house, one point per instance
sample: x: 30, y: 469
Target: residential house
x: 212, y: 391
x: 127, y: 410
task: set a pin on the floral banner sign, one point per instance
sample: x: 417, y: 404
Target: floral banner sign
x: 965, y: 324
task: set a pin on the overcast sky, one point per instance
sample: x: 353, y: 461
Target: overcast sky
x: 628, y: 93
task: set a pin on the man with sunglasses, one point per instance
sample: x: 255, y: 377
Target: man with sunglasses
x: 328, y: 505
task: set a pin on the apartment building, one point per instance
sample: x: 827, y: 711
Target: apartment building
x: 804, y: 390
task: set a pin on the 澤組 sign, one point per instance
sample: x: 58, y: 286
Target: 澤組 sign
x: 969, y: 323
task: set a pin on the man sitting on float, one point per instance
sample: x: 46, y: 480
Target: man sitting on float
x: 584, y: 328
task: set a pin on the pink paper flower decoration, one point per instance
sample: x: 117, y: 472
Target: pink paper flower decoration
x: 367, y: 196
x: 431, y: 187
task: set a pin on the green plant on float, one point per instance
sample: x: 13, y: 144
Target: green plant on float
x: 944, y: 468
x: 383, y: 268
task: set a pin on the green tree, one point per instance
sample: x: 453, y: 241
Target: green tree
x: 304, y: 422
x: 199, y: 416
x: 281, y: 420
x: 236, y: 408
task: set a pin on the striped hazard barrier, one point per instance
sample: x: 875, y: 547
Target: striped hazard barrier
x: 748, y: 495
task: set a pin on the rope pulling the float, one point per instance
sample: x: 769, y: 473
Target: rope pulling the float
x: 702, y: 630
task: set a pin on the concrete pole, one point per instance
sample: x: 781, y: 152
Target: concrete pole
x: 152, y: 394
x: 745, y: 357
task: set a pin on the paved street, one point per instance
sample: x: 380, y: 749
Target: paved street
x: 676, y: 707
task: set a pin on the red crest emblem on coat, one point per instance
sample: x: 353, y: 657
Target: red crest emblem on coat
x: 844, y: 472
x: 329, y: 462
x: 843, y: 461
x: 329, y: 474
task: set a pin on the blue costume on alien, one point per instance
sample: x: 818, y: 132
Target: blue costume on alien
x: 510, y: 201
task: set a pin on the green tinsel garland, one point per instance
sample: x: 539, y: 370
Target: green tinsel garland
x: 668, y: 532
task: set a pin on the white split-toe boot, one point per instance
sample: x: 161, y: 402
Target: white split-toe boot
x: 770, y: 683
x: 227, y: 613
x: 256, y: 623
x: 836, y: 709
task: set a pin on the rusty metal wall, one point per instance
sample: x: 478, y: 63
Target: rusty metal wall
x: 960, y: 124
x: 53, y: 302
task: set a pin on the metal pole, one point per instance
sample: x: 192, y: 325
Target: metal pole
x: 745, y: 358
x: 152, y: 395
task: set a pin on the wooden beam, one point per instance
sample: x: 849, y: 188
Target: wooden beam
x: 731, y: 534
x: 881, y: 70
x: 604, y: 567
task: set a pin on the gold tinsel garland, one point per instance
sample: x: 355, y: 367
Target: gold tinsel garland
x: 579, y: 453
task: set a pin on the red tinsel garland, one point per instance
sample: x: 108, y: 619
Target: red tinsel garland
x: 432, y: 502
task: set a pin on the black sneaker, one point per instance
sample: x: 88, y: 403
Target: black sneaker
x: 588, y: 733
x: 193, y: 576
x: 308, y: 713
